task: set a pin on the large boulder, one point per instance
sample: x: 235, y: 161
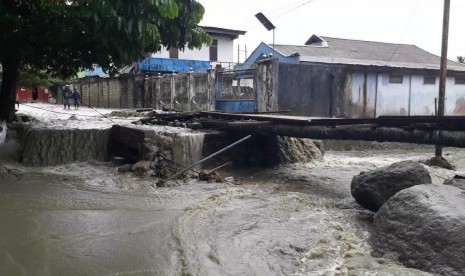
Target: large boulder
x: 372, y: 189
x: 423, y: 227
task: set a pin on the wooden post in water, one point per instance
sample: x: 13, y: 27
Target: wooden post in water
x: 443, y: 69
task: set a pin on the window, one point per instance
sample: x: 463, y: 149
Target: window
x: 429, y: 80
x: 214, y: 50
x: 460, y: 80
x: 396, y: 78
x: 174, y: 53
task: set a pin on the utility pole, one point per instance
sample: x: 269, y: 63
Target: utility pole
x: 443, y: 68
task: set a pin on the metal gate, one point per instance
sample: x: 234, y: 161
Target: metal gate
x: 235, y: 91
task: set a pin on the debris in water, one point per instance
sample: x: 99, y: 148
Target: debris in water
x: 439, y: 161
x: 212, y: 175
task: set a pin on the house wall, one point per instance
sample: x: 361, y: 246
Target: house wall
x: 307, y: 90
x: 413, y: 97
x: 339, y: 91
x: 362, y: 94
x: 225, y: 51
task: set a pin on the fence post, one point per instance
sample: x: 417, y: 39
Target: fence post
x: 140, y: 86
x: 190, y: 90
x: 88, y: 94
x: 108, y: 92
x: 211, y: 89
x: 172, y: 90
x: 267, y: 86
x: 157, y: 91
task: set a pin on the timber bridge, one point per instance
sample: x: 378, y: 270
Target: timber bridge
x: 448, y: 131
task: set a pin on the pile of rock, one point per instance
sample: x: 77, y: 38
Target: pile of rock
x: 419, y: 223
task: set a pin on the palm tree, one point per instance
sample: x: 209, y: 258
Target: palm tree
x: 461, y: 59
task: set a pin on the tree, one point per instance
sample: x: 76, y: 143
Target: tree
x: 461, y: 59
x: 62, y: 37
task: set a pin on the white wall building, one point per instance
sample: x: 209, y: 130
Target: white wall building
x: 354, y: 78
x: 221, y: 51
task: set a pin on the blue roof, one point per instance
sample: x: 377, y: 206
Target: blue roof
x: 168, y: 65
x: 97, y: 71
x: 266, y: 51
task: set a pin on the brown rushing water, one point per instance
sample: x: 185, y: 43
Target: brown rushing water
x: 84, y: 219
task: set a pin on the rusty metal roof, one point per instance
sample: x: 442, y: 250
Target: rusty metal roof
x: 319, y: 49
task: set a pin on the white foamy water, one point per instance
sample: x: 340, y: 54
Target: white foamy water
x: 53, y: 116
x: 3, y: 130
x: 187, y: 148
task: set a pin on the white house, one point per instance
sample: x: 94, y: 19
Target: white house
x: 353, y: 78
x: 221, y: 51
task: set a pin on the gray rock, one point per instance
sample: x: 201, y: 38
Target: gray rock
x: 195, y: 125
x: 423, y: 226
x: 372, y: 189
x: 456, y: 181
x: 125, y: 168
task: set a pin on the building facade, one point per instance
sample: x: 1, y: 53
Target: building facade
x: 220, y: 52
x: 351, y: 78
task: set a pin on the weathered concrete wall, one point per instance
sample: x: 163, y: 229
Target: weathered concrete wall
x: 362, y: 102
x: 49, y: 147
x: 308, y: 90
x: 267, y: 85
x: 188, y: 92
x: 203, y: 88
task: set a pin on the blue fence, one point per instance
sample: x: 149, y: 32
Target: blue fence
x: 235, y: 105
x: 165, y: 65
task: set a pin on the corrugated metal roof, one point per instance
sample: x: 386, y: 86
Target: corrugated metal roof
x: 367, y: 53
x: 223, y: 32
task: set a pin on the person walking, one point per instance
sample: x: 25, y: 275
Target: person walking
x: 76, y: 98
x: 66, y: 96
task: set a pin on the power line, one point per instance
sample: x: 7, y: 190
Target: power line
x: 285, y: 12
x: 278, y: 12
x: 405, y: 31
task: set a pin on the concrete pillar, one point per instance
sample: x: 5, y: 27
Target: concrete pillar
x: 267, y: 85
x: 190, y: 90
x: 211, y: 82
x: 157, y: 92
x: 108, y: 92
x: 173, y: 90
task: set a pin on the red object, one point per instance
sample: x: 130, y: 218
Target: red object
x: 24, y: 94
x: 43, y: 94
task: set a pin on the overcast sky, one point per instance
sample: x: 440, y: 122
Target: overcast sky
x: 417, y: 22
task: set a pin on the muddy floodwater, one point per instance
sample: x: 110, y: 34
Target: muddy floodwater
x: 85, y: 219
